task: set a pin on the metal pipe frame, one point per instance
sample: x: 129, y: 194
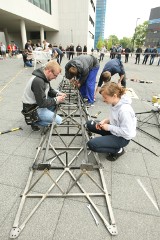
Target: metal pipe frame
x: 47, y: 153
x: 147, y: 117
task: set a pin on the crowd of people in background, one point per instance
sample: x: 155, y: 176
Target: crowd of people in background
x: 56, y: 52
x: 12, y: 50
x: 149, y: 54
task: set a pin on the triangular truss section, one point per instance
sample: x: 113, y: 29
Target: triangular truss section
x: 149, y: 124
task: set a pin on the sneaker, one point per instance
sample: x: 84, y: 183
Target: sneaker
x: 114, y: 156
x: 85, y: 100
x: 88, y: 105
x: 35, y: 128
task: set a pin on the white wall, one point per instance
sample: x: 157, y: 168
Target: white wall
x: 74, y: 23
x: 2, y: 38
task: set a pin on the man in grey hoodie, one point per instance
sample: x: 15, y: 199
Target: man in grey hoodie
x: 116, y: 131
x: 39, y: 94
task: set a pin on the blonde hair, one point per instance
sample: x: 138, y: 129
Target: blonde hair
x: 53, y: 66
x: 112, y: 88
x: 106, y: 76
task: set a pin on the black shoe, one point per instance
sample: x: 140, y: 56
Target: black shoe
x: 114, y: 156
x: 35, y: 128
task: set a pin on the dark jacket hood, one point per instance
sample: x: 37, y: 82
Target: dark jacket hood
x: 39, y: 73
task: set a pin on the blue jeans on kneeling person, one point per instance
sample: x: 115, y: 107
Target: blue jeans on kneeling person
x: 28, y: 64
x: 47, y: 115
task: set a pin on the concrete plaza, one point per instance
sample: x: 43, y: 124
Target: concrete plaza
x: 133, y: 181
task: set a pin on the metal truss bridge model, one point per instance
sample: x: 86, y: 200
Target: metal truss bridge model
x: 64, y: 167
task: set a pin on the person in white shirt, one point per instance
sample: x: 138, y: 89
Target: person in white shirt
x: 102, y: 53
x: 45, y: 45
x: 3, y: 50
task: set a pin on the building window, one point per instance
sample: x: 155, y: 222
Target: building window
x: 154, y: 21
x: 92, y: 3
x: 45, y: 5
x: 91, y: 21
x: 91, y: 35
x: 36, y: 35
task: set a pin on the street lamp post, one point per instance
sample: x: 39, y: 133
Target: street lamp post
x: 71, y: 36
x: 135, y: 32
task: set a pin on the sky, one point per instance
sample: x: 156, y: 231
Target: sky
x: 121, y: 16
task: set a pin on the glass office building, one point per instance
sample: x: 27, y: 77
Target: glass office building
x: 100, y: 20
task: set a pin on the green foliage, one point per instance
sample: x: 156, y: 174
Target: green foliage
x: 100, y: 43
x: 112, y: 41
x: 140, y: 34
x: 126, y: 42
x: 105, y: 43
x: 137, y: 40
x: 109, y: 45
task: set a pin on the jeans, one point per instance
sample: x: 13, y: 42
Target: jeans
x: 59, y: 58
x: 107, y: 143
x: 145, y: 59
x: 47, y: 116
x: 151, y: 60
x: 119, y: 56
x: 88, y: 88
x: 101, y: 56
x: 28, y: 63
x: 123, y: 82
x: 126, y: 57
x: 137, y: 58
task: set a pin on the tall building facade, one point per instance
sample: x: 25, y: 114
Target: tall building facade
x: 76, y: 22
x: 57, y: 21
x: 100, y: 20
x: 153, y: 31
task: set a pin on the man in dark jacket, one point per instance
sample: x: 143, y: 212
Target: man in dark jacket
x: 138, y: 55
x: 39, y: 93
x: 154, y: 53
x: 79, y: 50
x: 112, y: 67
x: 127, y: 52
x: 147, y: 53
x: 71, y: 51
x: 84, y: 68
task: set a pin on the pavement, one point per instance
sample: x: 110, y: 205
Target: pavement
x: 133, y: 181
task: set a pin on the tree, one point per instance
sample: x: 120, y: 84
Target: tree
x: 140, y: 34
x: 100, y: 43
x: 126, y: 42
x: 105, y: 43
x: 112, y: 40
